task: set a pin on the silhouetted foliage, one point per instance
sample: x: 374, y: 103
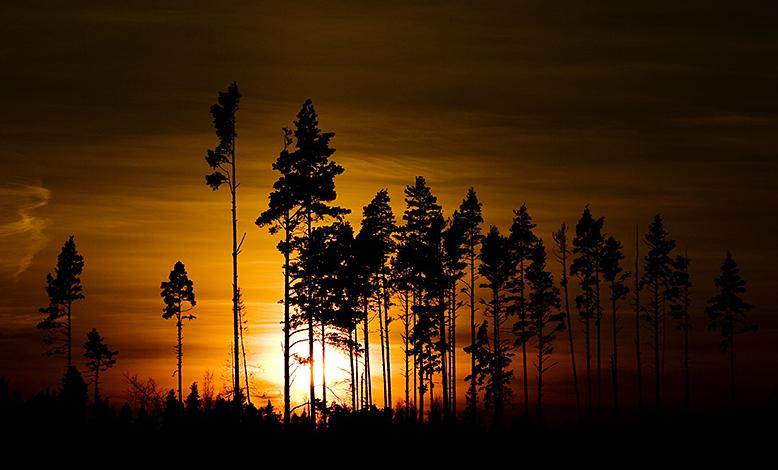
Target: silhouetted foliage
x: 543, y: 309
x: 727, y: 312
x: 193, y: 401
x: 179, y: 298
x: 470, y: 220
x: 63, y: 288
x: 221, y: 159
x: 498, y: 269
x: 522, y: 240
x: 657, y: 279
x: 616, y: 278
x: 100, y: 356
x: 562, y: 253
x: 587, y: 248
x: 74, y: 393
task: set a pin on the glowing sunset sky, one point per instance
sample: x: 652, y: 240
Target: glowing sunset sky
x: 633, y: 109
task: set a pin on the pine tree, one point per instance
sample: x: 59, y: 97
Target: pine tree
x: 587, y: 246
x: 422, y: 253
x: 179, y: 298
x: 100, y: 357
x: 221, y: 159
x: 727, y: 313
x: 284, y: 214
x: 682, y: 284
x: 470, y: 219
x: 376, y: 235
x: 454, y: 252
x: 498, y: 269
x: 616, y: 278
x: 562, y: 253
x: 63, y: 288
x: 657, y: 276
x: 522, y: 240
x: 543, y: 308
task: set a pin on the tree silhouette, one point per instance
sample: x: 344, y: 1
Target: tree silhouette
x: 543, y: 307
x: 221, y: 159
x: 243, y: 323
x: 100, y: 357
x: 682, y: 284
x: 378, y: 245
x: 422, y: 252
x: 562, y: 253
x: 63, y: 288
x: 727, y: 313
x: 193, y: 402
x: 480, y: 352
x: 587, y: 246
x: 497, y: 268
x: 616, y: 278
x: 74, y: 393
x: 179, y: 298
x: 522, y: 240
x: 284, y: 214
x: 638, y: 316
x: 658, y: 269
x: 454, y: 264
x: 310, y: 175
x: 470, y: 219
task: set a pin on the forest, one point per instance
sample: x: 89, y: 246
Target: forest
x: 435, y: 276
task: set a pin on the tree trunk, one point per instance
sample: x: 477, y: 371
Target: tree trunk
x: 388, y: 356
x: 312, y: 390
x: 368, y: 381
x: 588, y: 347
x: 473, y: 390
x: 443, y: 355
x: 570, y: 333
x: 453, y: 356
x: 637, y: 320
x: 541, y: 345
x: 70, y: 335
x: 97, y: 380
x: 732, y: 369
x: 287, y: 330
x: 598, y: 328
x: 323, y: 373
x: 379, y: 302
x: 351, y: 363
x: 496, y: 363
x: 657, y: 351
x: 180, y: 352
x: 233, y: 192
x: 615, y: 364
x: 407, y: 357
x: 523, y: 317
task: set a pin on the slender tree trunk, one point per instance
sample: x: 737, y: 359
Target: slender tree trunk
x: 368, y: 376
x: 637, y: 320
x: 732, y: 369
x: 236, y: 359
x: 311, y: 377
x: 287, y: 330
x: 97, y: 381
x: 657, y: 350
x: 180, y: 353
x: 664, y: 336
x: 421, y: 396
x: 496, y: 363
x: 453, y: 356
x: 686, y: 385
x: 388, y: 355
x: 245, y: 363
x: 598, y: 326
x: 570, y: 332
x: 541, y: 345
x: 379, y: 302
x: 588, y: 348
x: 615, y: 364
x: 415, y: 361
x: 443, y: 354
x: 351, y: 363
x: 523, y: 317
x: 323, y: 372
x: 473, y: 390
x: 70, y: 334
x: 407, y: 356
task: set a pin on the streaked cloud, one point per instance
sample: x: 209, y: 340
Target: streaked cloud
x: 21, y: 228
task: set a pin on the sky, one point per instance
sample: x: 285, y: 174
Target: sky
x: 634, y: 108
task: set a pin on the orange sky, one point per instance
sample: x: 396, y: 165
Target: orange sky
x: 668, y: 110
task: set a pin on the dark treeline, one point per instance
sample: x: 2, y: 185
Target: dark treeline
x: 426, y: 274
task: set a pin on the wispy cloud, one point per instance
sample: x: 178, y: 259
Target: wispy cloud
x: 21, y: 230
